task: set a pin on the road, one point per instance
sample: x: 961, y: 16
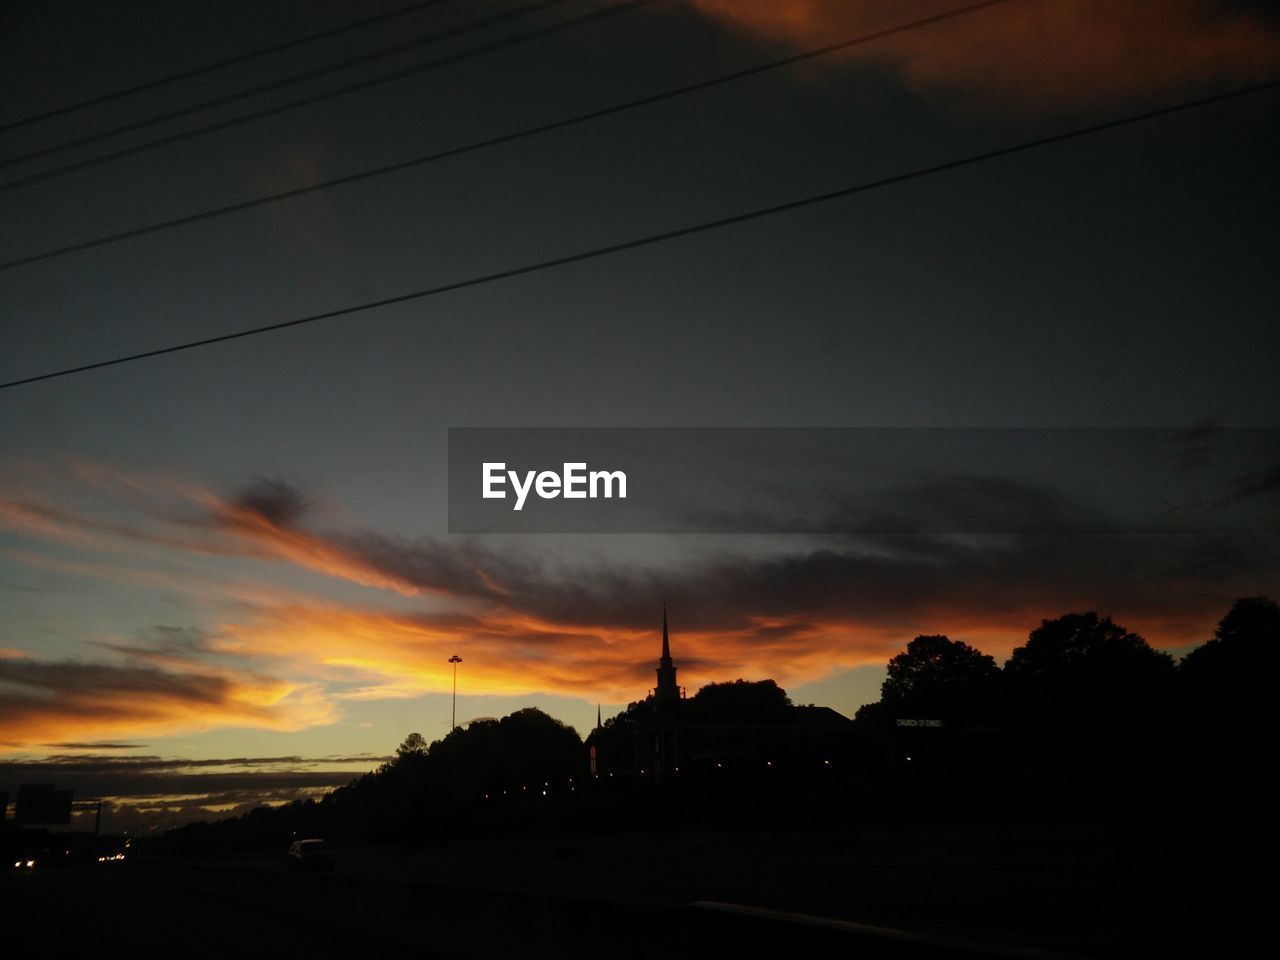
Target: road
x: 115, y: 910
x: 1098, y: 890
x: 1107, y: 890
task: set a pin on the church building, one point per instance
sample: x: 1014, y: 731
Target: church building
x: 659, y: 743
x: 727, y: 731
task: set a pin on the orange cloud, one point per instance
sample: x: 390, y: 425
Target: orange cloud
x: 246, y: 527
x: 33, y: 520
x: 286, y: 542
x: 1031, y: 55
x: 506, y: 652
x: 510, y: 653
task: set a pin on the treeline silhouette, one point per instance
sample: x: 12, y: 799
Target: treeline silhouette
x: 418, y: 796
x: 1084, y: 692
x: 1084, y: 719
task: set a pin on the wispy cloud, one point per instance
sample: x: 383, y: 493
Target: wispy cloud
x: 1030, y: 56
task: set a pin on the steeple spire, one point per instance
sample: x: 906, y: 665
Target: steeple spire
x: 667, y: 688
x: 598, y: 723
x: 666, y: 642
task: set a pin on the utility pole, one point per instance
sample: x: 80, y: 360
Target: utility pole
x: 453, y: 754
x: 453, y: 718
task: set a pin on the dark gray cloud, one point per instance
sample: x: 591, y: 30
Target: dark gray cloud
x: 276, y: 501
x: 74, y: 681
x: 940, y: 504
x: 885, y: 581
x: 44, y: 701
x: 872, y: 579
x: 96, y: 745
x: 165, y: 645
x: 464, y: 568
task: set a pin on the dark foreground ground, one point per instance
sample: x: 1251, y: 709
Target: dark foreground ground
x: 1154, y: 889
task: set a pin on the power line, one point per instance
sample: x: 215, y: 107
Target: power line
x: 504, y: 43
x: 222, y: 64
x: 666, y: 235
x: 282, y: 82
x: 503, y: 138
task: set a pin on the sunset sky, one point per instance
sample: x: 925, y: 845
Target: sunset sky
x: 225, y: 574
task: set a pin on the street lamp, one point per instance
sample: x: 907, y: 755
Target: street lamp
x: 453, y: 719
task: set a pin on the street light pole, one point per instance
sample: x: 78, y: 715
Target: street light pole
x: 453, y: 719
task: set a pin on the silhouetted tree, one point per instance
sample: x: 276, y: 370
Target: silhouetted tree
x: 940, y: 677
x: 873, y: 715
x: 1082, y: 655
x: 522, y: 749
x: 1096, y: 688
x: 1245, y: 647
x: 408, y: 798
x: 413, y: 743
x: 741, y: 700
x: 1228, y: 686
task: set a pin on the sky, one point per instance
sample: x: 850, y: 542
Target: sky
x: 226, y: 574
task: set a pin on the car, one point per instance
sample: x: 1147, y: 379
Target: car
x: 313, y: 854
x: 24, y: 863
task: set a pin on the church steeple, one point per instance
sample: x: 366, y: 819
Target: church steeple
x: 666, y: 641
x: 667, y: 688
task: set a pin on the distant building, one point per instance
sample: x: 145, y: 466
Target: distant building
x: 42, y: 804
x: 660, y: 737
x: 728, y: 729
